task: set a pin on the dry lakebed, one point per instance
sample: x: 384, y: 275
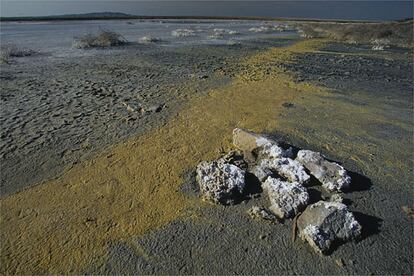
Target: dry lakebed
x: 123, y: 160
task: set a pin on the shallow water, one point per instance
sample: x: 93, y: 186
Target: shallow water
x: 56, y: 37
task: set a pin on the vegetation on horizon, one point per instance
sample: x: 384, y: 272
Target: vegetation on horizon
x: 385, y: 34
x: 104, y: 38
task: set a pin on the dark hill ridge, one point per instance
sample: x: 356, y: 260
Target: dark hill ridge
x: 119, y: 15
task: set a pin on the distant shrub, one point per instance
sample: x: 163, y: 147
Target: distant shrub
x: 380, y: 44
x: 104, y: 38
x: 220, y: 33
x: 148, y: 39
x: 183, y: 33
x: 12, y: 51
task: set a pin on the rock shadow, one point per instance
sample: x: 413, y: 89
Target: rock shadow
x: 253, y: 186
x: 314, y: 195
x: 371, y: 225
x: 359, y: 182
x: 189, y: 186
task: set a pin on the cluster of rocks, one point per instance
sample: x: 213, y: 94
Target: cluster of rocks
x: 284, y: 176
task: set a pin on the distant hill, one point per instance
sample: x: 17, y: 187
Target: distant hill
x: 120, y: 15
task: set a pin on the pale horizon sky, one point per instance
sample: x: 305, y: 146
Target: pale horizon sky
x: 368, y: 10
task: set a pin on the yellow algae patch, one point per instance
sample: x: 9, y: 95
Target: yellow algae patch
x: 64, y: 225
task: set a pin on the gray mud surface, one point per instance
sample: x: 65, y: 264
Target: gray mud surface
x: 58, y: 111
x: 225, y: 240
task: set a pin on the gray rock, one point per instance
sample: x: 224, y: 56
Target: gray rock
x: 287, y: 199
x: 220, y: 182
x: 332, y: 176
x: 324, y: 222
x: 248, y: 141
x: 288, y: 168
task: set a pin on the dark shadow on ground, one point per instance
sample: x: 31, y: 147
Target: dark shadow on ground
x: 371, y: 225
x: 359, y: 182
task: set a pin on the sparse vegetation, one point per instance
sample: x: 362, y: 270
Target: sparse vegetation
x: 394, y: 33
x: 104, y: 38
x: 12, y: 51
x: 148, y: 39
x: 183, y: 33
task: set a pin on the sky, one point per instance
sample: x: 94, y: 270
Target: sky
x: 328, y: 9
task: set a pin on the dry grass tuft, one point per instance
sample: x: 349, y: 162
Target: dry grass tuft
x: 104, y: 38
x: 12, y: 51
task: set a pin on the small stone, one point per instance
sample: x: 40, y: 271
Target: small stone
x: 220, y: 182
x: 408, y: 211
x: 128, y: 107
x: 287, y: 199
x: 324, y: 222
x: 155, y: 108
x: 332, y: 176
x: 340, y: 262
x: 262, y: 213
x: 288, y: 105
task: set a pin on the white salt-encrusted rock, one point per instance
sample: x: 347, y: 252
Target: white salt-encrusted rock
x: 271, y: 149
x: 332, y: 176
x: 288, y: 168
x: 287, y: 199
x: 249, y: 141
x: 324, y: 222
x: 220, y: 182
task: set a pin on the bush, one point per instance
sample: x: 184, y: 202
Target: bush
x: 183, y: 33
x: 148, y: 39
x: 12, y: 51
x: 104, y: 38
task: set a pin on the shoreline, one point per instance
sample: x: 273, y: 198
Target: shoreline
x: 133, y: 17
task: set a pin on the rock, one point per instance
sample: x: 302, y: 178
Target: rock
x: 288, y: 168
x: 220, y: 182
x: 249, y: 141
x: 288, y: 105
x: 273, y: 150
x: 324, y: 222
x: 262, y: 213
x: 332, y: 176
x: 287, y: 199
x: 155, y: 108
x: 408, y: 211
x: 128, y: 107
x: 339, y: 262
